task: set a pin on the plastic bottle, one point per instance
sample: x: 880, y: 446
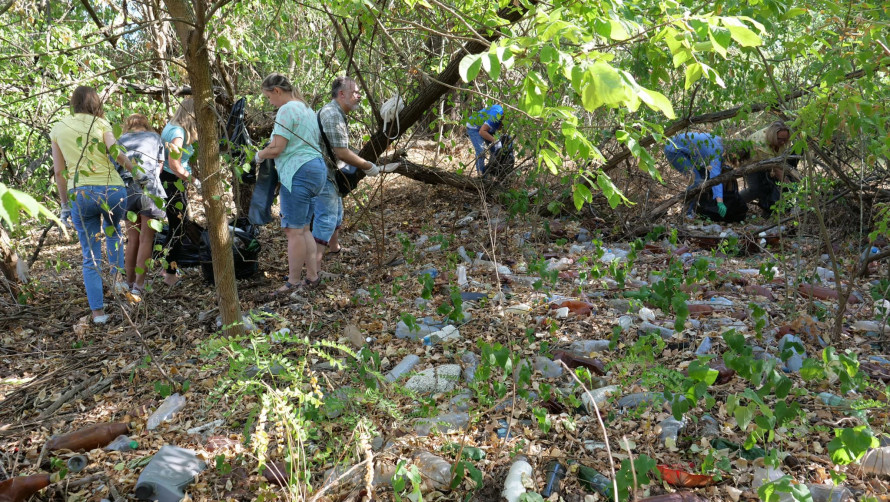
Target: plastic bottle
x: 20, y: 488
x: 829, y: 493
x: 704, y: 347
x: 795, y: 362
x: 471, y: 362
x: 461, y: 275
x: 585, y: 347
x: 165, y: 411
x: 434, y: 469
x: 404, y: 366
x: 670, y: 430
x: 88, y: 438
x: 169, y: 472
x: 122, y: 443
x: 553, y: 474
x: 675, y: 497
x: 593, y: 481
x: 548, y: 368
x: 77, y: 463
x: 595, y: 366
x: 442, y: 423
x: 513, y: 486
x: 710, y: 428
x: 877, y: 461
x: 834, y: 401
x: 648, y: 327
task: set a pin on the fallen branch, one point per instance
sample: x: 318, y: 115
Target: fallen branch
x: 863, y: 265
x: 434, y: 176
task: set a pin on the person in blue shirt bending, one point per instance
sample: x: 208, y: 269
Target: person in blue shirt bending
x: 481, y: 129
x: 702, y: 154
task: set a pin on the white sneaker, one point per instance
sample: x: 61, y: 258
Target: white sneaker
x: 100, y: 319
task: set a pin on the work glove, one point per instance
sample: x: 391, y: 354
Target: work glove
x: 496, y: 146
x: 65, y: 216
x: 197, y: 183
x: 374, y: 171
x: 721, y: 209
x: 390, y: 168
x: 141, y: 181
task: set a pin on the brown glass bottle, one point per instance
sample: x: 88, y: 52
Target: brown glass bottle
x: 20, y: 488
x: 88, y: 438
x: 676, y: 497
x: 572, y: 361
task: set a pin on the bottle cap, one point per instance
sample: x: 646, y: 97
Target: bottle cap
x: 134, y: 445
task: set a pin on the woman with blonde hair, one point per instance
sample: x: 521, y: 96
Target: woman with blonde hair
x: 771, y: 141
x: 92, y: 192
x: 179, y: 137
x: 302, y: 172
x: 144, y: 196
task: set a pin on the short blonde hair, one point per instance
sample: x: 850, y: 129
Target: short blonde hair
x: 186, y: 119
x: 281, y: 82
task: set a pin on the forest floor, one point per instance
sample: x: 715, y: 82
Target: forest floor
x: 170, y: 342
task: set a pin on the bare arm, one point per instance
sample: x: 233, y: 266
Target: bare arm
x: 486, y: 135
x: 175, y: 146
x: 58, y: 173
x: 351, y: 158
x: 273, y: 149
x: 122, y: 159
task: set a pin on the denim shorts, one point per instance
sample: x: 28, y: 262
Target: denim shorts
x: 327, y: 209
x: 143, y: 204
x: 296, y: 203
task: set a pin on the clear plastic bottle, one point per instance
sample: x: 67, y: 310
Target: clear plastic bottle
x: 435, y: 470
x: 165, y: 411
x: 877, y: 461
x: 670, y: 431
x: 406, y: 364
x: 829, y: 493
x: 704, y: 347
x: 169, y: 472
x: 513, y: 487
x: 122, y: 443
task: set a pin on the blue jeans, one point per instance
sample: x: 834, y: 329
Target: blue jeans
x: 480, y: 146
x: 96, y: 211
x: 296, y: 203
x: 681, y: 160
x: 327, y: 210
x: 263, y: 197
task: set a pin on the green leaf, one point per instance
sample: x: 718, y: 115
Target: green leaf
x: 743, y: 35
x: 469, y: 67
x: 702, y: 373
x: 617, y: 30
x: 156, y: 225
x: 693, y: 73
x: 581, y: 194
x: 743, y: 416
x: 612, y: 193
x: 532, y: 101
x: 492, y: 65
x: 851, y: 444
x: 657, y: 101
x: 720, y: 38
x: 602, y: 85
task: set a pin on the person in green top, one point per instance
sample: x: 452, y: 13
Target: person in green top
x: 302, y: 172
x: 91, y: 191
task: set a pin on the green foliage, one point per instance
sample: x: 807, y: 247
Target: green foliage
x: 849, y: 445
x: 638, y: 472
x: 772, y: 491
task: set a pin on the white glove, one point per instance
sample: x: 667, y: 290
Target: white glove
x: 65, y: 216
x: 496, y: 146
x: 257, y: 158
x: 197, y: 183
x: 390, y: 168
x: 374, y: 171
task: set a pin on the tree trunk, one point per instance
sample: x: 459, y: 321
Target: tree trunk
x: 8, y: 264
x: 191, y: 34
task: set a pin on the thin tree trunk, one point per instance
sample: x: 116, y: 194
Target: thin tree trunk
x: 8, y: 264
x: 198, y: 63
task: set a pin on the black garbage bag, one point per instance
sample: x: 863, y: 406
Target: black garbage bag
x: 736, y: 209
x: 188, y: 253
x: 502, y: 161
x: 245, y: 250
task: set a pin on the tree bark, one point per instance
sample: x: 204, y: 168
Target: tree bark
x: 194, y: 43
x: 8, y: 265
